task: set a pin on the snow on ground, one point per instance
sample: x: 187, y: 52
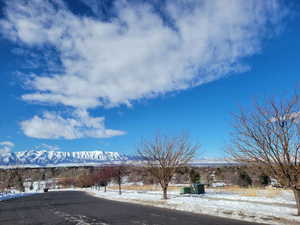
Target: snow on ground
x: 14, y: 194
x: 265, y: 206
x: 282, y: 197
x: 279, y: 209
x: 37, y: 187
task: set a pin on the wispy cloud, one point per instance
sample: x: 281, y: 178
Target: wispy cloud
x: 139, y: 53
x: 5, y: 147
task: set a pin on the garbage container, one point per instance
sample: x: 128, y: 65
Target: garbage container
x: 198, y: 189
x: 46, y: 189
x: 186, y: 190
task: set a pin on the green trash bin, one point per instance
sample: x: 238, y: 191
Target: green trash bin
x: 198, y: 189
x: 186, y: 190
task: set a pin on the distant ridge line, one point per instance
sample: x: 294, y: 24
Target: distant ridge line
x: 45, y: 158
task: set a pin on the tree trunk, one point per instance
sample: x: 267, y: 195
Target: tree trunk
x: 297, y: 198
x: 104, y: 188
x: 165, y: 192
x: 120, y: 191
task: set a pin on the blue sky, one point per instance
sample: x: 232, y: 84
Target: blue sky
x: 84, y: 75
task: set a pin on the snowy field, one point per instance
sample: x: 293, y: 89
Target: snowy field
x: 269, y: 206
x: 264, y: 206
x: 13, y: 194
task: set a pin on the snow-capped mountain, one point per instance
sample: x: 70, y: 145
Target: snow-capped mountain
x: 42, y: 158
x: 48, y: 158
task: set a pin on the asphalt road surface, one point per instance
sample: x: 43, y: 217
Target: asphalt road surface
x: 71, y: 207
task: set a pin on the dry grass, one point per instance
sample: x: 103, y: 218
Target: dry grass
x: 137, y: 187
x: 144, y: 188
x: 271, y: 192
x: 252, y: 191
x: 248, y: 192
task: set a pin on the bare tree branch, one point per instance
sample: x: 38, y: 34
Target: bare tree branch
x: 164, y: 154
x: 269, y: 137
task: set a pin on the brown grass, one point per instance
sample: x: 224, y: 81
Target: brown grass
x: 271, y: 193
x: 144, y: 188
x: 251, y: 191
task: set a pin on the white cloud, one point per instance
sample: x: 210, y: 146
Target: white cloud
x: 5, y: 147
x: 80, y: 125
x: 137, y: 55
x: 7, y: 143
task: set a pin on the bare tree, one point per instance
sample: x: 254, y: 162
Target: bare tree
x: 4, y: 180
x: 16, y: 179
x: 269, y: 138
x: 85, y: 180
x: 67, y: 182
x: 164, y: 154
x: 104, y: 176
x: 118, y: 174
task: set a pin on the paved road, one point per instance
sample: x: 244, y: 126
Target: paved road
x: 78, y: 208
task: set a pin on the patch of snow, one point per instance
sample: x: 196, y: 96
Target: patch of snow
x: 14, y: 194
x: 278, y: 210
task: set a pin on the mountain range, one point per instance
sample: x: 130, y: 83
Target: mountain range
x: 47, y: 158
x: 44, y: 158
